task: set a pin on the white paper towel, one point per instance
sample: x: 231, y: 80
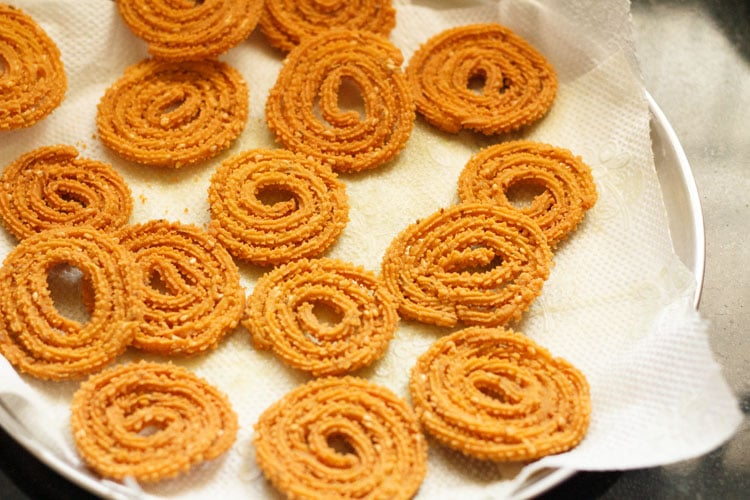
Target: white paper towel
x: 617, y: 304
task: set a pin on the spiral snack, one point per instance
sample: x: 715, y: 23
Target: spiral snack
x: 193, y: 294
x: 272, y: 206
x: 517, y: 83
x: 181, y: 31
x: 341, y: 438
x: 35, y: 336
x: 568, y: 187
x: 150, y: 421
x: 52, y: 187
x: 32, y: 77
x: 494, y: 394
x: 286, y: 22
x: 314, y: 77
x: 478, y: 264
x: 281, y: 315
x: 172, y: 114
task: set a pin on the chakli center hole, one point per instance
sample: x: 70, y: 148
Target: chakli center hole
x: 271, y: 195
x: 340, y: 444
x: 477, y: 82
x: 71, y: 292
x: 523, y: 193
x: 327, y: 314
x: 350, y: 97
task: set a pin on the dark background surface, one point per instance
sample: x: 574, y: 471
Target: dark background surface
x: 695, y: 60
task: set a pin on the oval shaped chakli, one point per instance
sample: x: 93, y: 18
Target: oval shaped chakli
x: 34, y: 336
x: 272, y: 206
x: 51, y: 187
x: 494, y: 394
x: 32, y: 76
x: 193, y: 295
x: 471, y: 263
x: 568, y: 188
x: 287, y: 313
x: 341, y: 438
x: 287, y: 22
x: 168, y: 114
x: 182, y: 31
x: 150, y: 421
x: 481, y: 77
x: 303, y: 108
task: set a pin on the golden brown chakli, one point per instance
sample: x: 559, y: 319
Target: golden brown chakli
x: 470, y: 263
x: 272, y: 206
x: 169, y: 114
x: 189, y: 30
x: 515, y: 84
x: 35, y: 336
x: 150, y: 421
x: 52, y: 187
x: 32, y: 77
x: 285, y: 23
x: 192, y: 295
x: 494, y: 394
x: 286, y: 313
x: 341, y: 438
x: 566, y: 184
x: 303, y: 108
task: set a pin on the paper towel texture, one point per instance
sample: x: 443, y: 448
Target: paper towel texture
x: 617, y: 304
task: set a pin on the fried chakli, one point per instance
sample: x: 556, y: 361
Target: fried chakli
x: 52, y: 187
x: 169, y: 114
x: 181, y: 31
x: 193, y: 295
x: 286, y: 22
x: 341, y: 438
x: 150, y: 421
x: 303, y: 107
x: 473, y: 263
x: 516, y: 83
x: 32, y: 77
x: 566, y: 182
x: 494, y: 394
x: 272, y: 206
x: 287, y: 313
x: 34, y: 336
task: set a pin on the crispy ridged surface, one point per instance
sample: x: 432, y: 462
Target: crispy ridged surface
x: 150, y: 421
x: 33, y: 78
x: 181, y: 31
x: 169, y: 114
x: 285, y: 23
x: 303, y: 108
x: 494, y: 394
x: 35, y: 336
x: 381, y: 452
x: 567, y: 186
x: 470, y: 263
x: 53, y: 187
x: 516, y: 83
x: 281, y: 315
x: 272, y: 206
x: 192, y: 295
